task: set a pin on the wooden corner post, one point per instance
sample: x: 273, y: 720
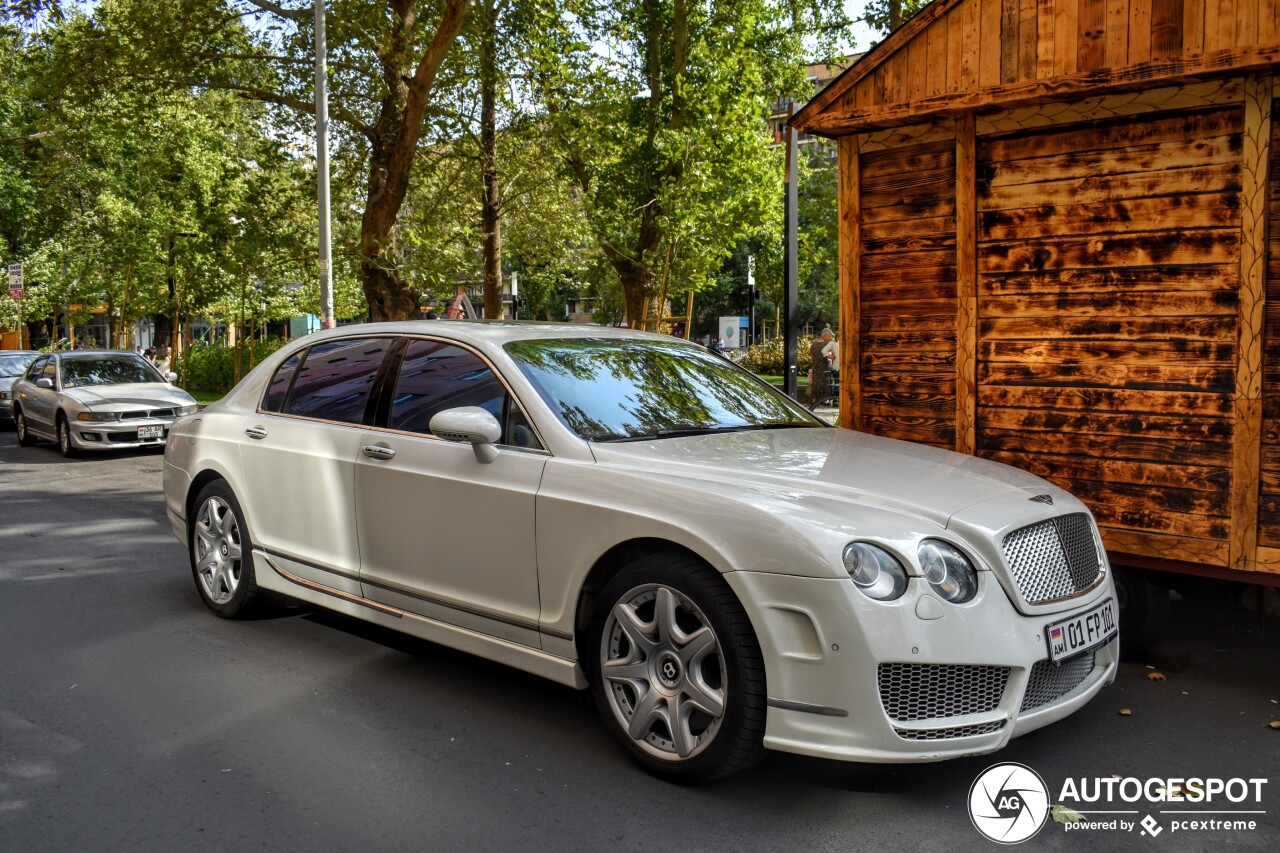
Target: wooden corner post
x: 849, y: 204
x: 966, y: 284
x: 1246, y: 457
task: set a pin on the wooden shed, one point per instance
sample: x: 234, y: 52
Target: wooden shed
x: 1054, y: 222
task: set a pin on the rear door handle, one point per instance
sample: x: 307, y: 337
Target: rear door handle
x: 256, y: 432
x: 374, y: 451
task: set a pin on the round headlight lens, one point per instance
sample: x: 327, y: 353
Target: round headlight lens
x: 948, y: 571
x: 875, y: 571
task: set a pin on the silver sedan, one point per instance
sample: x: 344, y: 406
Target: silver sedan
x: 96, y: 400
x: 13, y: 363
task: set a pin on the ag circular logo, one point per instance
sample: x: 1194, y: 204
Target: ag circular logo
x: 1008, y: 803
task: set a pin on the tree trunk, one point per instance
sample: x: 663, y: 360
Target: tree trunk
x: 895, y: 14
x: 490, y: 214
x: 393, y: 142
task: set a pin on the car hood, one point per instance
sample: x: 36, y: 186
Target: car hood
x: 835, y: 463
x: 146, y: 394
x: 6, y: 382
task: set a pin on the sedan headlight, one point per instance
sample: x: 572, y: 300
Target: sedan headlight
x: 185, y: 410
x: 948, y: 571
x: 98, y: 416
x: 875, y: 571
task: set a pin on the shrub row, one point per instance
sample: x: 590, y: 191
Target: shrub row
x: 213, y: 368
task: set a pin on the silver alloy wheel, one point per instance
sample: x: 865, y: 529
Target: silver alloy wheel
x: 215, y: 548
x: 21, y: 424
x: 666, y: 672
x: 64, y: 436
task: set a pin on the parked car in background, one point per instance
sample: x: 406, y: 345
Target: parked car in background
x: 13, y: 363
x: 631, y: 513
x: 96, y: 400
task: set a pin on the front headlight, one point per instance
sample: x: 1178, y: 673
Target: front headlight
x: 184, y: 410
x: 948, y: 571
x: 875, y: 571
x: 98, y: 416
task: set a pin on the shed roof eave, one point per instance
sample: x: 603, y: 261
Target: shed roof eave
x: 1028, y: 93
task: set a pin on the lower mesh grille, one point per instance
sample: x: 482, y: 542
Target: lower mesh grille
x: 947, y: 734
x: 1049, y: 682
x: 931, y: 691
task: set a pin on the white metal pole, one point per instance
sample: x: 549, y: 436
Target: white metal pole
x: 322, y: 174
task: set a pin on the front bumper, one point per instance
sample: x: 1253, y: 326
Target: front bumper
x: 118, y: 435
x: 824, y: 645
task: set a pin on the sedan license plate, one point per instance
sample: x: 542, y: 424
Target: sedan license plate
x: 1080, y: 633
x: 145, y: 432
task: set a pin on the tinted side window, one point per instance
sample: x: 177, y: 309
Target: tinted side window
x: 279, y: 387
x: 50, y: 371
x: 435, y: 376
x: 36, y: 368
x: 336, y: 378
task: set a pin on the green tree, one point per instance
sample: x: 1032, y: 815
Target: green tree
x: 657, y: 108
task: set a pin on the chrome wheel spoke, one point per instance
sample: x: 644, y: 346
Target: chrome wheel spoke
x: 664, y: 614
x: 233, y: 550
x: 696, y: 646
x: 678, y: 722
x: 648, y: 708
x: 636, y: 630
x: 631, y: 672
x: 707, y: 699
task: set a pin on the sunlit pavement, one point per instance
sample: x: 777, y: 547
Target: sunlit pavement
x: 131, y: 719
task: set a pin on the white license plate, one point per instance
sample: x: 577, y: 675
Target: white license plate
x: 1088, y: 630
x: 145, y: 432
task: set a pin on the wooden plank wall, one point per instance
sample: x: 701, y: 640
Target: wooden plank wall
x: 1015, y: 48
x: 1269, y: 502
x: 1108, y: 275
x: 907, y: 302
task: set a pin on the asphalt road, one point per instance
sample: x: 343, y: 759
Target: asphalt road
x: 131, y: 719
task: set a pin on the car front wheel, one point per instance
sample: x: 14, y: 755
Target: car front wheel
x: 221, y: 553
x: 65, y: 447
x: 676, y: 670
x: 25, y: 438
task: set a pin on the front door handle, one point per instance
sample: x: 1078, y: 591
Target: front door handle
x: 374, y: 451
x: 256, y: 432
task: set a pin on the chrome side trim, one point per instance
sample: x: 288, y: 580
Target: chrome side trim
x: 806, y: 708
x: 328, y: 590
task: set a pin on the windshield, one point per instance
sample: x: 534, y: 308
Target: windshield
x: 107, y: 370
x: 14, y: 365
x: 607, y: 389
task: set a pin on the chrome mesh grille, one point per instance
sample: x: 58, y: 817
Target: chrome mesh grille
x: 947, y: 734
x: 1053, y: 559
x: 1049, y: 682
x: 910, y: 691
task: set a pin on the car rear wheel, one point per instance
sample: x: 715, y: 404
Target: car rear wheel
x: 677, y: 672
x: 25, y: 438
x: 221, y: 553
x: 65, y: 447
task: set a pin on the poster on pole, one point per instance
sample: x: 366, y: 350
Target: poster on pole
x: 15, y: 281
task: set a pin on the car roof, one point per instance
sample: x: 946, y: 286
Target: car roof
x: 85, y: 353
x: 490, y: 331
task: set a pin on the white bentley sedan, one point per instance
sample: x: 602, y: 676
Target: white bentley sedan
x: 631, y: 514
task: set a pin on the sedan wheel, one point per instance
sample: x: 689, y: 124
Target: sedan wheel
x: 678, y: 670
x: 221, y: 558
x: 65, y: 447
x: 25, y: 438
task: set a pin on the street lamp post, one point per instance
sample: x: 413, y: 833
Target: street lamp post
x: 322, y: 174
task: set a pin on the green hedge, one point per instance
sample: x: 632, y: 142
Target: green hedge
x: 767, y: 358
x: 212, y: 368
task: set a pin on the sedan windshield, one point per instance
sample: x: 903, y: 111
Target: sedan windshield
x: 14, y: 365
x: 606, y: 389
x: 107, y: 370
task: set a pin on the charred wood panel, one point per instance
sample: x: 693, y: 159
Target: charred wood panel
x: 1269, y: 499
x: 907, y: 291
x: 1109, y: 310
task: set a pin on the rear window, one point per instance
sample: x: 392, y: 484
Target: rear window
x: 335, y: 380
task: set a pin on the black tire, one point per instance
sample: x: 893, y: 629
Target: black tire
x: 730, y: 670
x: 1144, y: 610
x: 25, y: 438
x: 221, y: 553
x: 65, y: 447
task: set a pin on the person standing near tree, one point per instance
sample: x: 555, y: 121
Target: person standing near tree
x: 818, y: 365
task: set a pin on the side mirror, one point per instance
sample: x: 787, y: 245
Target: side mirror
x: 171, y: 377
x: 469, y: 425
x: 45, y: 382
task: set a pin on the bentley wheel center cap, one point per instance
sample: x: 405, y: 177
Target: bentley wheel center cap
x: 669, y: 672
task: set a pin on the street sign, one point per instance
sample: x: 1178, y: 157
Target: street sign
x: 15, y: 281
